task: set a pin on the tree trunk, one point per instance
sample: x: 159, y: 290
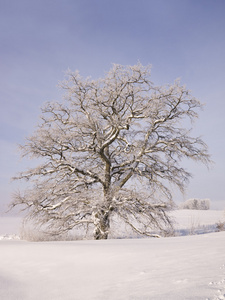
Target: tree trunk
x: 101, y: 223
x: 101, y: 217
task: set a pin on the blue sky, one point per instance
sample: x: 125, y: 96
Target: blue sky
x: 41, y: 39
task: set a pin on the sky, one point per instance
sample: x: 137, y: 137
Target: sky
x: 40, y: 40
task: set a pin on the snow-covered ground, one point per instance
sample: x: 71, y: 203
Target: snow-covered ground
x: 189, y: 222
x: 10, y: 227
x: 184, y: 267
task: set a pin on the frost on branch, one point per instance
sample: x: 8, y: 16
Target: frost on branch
x: 105, y: 135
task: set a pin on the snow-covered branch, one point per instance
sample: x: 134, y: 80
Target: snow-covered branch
x: 106, y: 134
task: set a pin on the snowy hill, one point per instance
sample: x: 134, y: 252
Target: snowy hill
x: 184, y: 267
x: 196, y: 221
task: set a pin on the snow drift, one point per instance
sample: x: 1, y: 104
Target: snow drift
x: 185, y: 267
x: 173, y: 268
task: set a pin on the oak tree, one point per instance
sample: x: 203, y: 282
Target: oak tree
x: 111, y: 149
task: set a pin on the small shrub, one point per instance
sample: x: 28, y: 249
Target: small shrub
x: 169, y: 233
x: 32, y: 234
x: 220, y: 226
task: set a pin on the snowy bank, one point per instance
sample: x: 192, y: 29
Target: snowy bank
x: 189, y: 267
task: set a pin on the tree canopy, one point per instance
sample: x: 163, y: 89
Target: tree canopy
x: 111, y: 148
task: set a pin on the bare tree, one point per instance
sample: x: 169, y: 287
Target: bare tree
x: 112, y: 147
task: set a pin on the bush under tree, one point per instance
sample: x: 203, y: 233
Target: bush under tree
x: 109, y: 149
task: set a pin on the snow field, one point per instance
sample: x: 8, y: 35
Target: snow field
x: 183, y: 267
x: 188, y: 222
x: 169, y: 268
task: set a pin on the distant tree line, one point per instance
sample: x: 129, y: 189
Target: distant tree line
x: 197, y: 204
